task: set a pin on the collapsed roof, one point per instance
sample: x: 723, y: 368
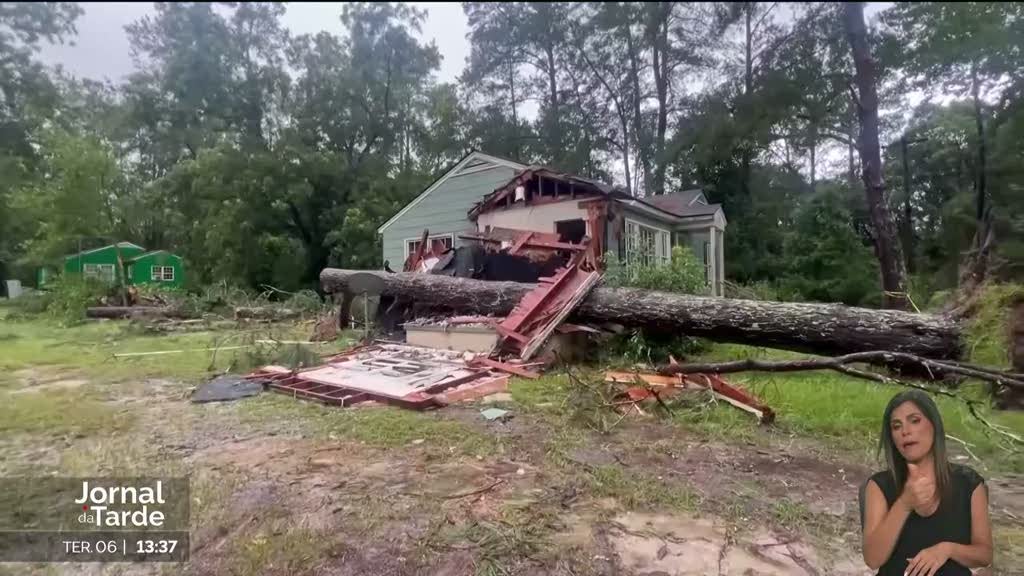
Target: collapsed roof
x: 538, y: 184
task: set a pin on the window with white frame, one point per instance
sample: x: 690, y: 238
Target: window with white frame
x: 103, y: 272
x: 646, y: 244
x: 441, y: 241
x: 161, y: 273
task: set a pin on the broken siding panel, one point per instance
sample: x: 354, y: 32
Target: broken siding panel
x: 443, y: 211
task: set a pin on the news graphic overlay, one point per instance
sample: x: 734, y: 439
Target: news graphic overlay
x: 94, y: 519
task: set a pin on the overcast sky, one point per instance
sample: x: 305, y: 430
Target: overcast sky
x: 101, y: 48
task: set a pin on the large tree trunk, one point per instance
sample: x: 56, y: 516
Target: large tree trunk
x: 643, y: 145
x: 908, y: 213
x: 660, y: 61
x: 817, y: 328
x: 887, y: 243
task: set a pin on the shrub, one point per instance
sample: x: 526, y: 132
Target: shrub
x: 65, y: 301
x: 684, y: 273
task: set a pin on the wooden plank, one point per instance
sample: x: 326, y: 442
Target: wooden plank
x: 531, y: 348
x: 505, y: 367
x: 652, y: 379
x: 523, y: 239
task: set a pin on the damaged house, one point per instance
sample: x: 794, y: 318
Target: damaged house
x: 492, y: 201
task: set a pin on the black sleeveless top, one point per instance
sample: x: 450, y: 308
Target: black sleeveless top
x: 950, y: 523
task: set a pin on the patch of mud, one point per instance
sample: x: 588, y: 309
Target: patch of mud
x: 376, y: 505
x: 683, y: 545
x: 722, y: 472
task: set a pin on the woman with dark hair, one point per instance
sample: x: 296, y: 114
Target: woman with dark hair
x: 923, y: 516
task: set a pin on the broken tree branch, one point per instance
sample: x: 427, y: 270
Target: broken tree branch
x: 878, y: 357
x: 839, y: 364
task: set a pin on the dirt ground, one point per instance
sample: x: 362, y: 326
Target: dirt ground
x: 281, y: 487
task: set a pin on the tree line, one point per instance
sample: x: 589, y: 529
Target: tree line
x: 261, y: 156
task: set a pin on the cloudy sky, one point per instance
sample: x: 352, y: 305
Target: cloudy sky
x: 101, y: 48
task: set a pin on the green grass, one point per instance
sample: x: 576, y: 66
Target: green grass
x: 59, y: 414
x: 846, y: 412
x: 89, y: 349
x: 637, y: 490
x: 789, y: 513
x: 383, y: 427
x: 841, y: 411
x: 503, y: 544
x: 282, y: 549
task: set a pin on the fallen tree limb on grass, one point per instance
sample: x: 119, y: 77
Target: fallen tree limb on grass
x: 815, y: 328
x: 266, y: 313
x: 114, y: 312
x: 841, y: 364
x: 937, y: 368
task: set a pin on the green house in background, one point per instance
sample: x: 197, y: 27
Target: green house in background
x: 156, y: 267
x: 130, y: 261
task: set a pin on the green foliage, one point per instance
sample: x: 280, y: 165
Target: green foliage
x: 684, y: 274
x: 828, y: 262
x: 261, y: 157
x: 988, y: 332
x: 648, y: 348
x: 65, y: 300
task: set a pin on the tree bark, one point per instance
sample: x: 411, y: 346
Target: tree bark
x: 748, y: 87
x: 643, y: 146
x: 908, y: 214
x: 979, y: 124
x: 887, y: 243
x: 660, y: 61
x: 512, y: 102
x: 817, y: 328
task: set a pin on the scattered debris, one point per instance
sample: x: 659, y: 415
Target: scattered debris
x: 513, y: 369
x: 228, y: 387
x: 402, y: 375
x: 492, y: 414
x: 659, y: 386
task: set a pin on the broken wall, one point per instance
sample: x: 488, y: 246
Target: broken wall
x: 538, y: 218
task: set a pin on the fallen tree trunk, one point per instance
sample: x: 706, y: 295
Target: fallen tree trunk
x: 266, y: 313
x: 817, y: 328
x: 134, y: 312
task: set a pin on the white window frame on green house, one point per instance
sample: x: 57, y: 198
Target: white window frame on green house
x: 103, y: 272
x: 660, y: 240
x: 412, y: 243
x: 161, y: 273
